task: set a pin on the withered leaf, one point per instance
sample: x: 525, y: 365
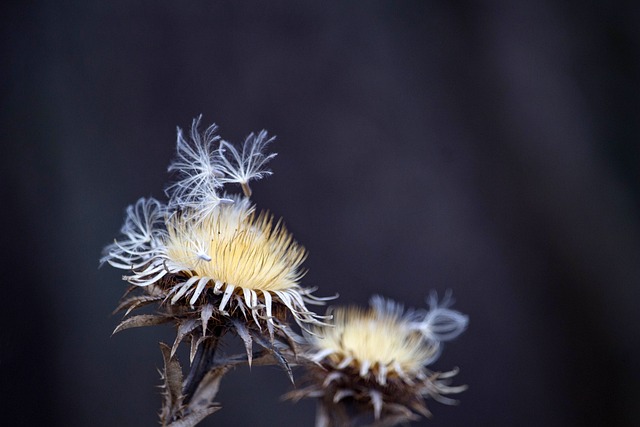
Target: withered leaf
x: 195, y: 342
x: 137, y: 301
x: 172, y: 386
x: 205, y: 315
x: 275, y: 352
x: 141, y: 320
x: 183, y: 329
x: 242, y: 331
x: 207, y: 389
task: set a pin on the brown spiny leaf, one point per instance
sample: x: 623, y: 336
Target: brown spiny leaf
x: 205, y: 315
x: 207, y: 390
x: 135, y: 302
x: 243, y: 333
x: 183, y: 329
x: 267, y: 345
x: 141, y: 320
x: 172, y: 376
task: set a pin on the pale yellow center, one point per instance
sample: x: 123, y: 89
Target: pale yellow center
x: 374, y: 338
x: 236, y: 247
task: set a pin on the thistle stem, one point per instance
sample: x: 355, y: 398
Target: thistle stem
x: 246, y: 189
x: 202, y: 363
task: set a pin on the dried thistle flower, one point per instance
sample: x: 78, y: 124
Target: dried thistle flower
x: 245, y: 259
x: 212, y: 264
x: 204, y: 245
x: 375, y: 362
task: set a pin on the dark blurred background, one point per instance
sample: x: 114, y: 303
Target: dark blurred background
x: 487, y: 147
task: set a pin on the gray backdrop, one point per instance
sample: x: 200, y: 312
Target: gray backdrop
x: 487, y: 147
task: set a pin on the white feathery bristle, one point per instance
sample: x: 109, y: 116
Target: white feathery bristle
x: 240, y: 167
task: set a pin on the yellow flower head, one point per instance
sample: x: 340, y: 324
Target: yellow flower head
x: 234, y: 246
x: 244, y: 257
x: 377, y: 360
x: 380, y: 344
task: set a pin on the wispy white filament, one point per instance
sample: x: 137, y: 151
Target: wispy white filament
x: 195, y: 191
x: 440, y: 323
x: 240, y: 167
x: 143, y: 231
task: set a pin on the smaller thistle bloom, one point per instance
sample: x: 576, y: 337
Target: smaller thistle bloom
x: 377, y: 360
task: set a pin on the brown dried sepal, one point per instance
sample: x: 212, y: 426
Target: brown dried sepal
x: 347, y: 399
